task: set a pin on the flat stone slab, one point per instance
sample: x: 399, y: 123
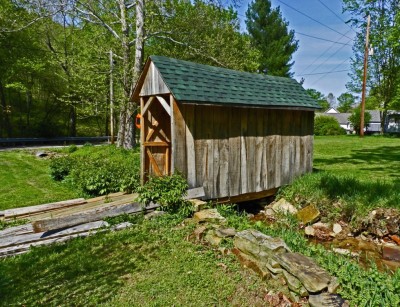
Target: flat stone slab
x: 308, y: 214
x: 258, y: 244
x: 284, y: 207
x: 225, y: 232
x: 314, y: 278
x: 208, y: 215
x: 327, y: 300
x: 391, y: 252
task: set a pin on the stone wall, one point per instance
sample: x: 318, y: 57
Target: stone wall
x: 271, y: 258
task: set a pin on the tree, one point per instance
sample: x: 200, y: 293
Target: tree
x: 327, y: 125
x: 346, y: 102
x: 320, y: 98
x: 270, y: 35
x: 384, y: 65
x: 355, y: 119
x: 331, y: 99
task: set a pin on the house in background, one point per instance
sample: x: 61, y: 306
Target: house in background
x: 373, y: 127
x: 392, y: 122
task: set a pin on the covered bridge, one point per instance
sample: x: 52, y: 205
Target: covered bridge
x: 239, y: 135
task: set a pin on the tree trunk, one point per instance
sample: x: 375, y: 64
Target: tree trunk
x: 126, y: 132
x: 72, y: 121
x: 4, y: 110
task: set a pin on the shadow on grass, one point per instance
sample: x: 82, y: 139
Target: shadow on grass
x: 366, y: 194
x: 83, y: 272
x: 384, y: 159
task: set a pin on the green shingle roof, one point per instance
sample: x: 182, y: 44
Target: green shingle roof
x: 195, y: 83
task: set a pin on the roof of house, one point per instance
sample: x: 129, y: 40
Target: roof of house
x: 196, y: 83
x: 343, y: 118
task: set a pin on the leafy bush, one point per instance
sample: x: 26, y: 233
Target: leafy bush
x: 355, y: 119
x: 166, y: 191
x: 327, y: 125
x: 98, y: 170
x: 60, y: 167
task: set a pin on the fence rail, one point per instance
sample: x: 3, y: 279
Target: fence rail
x: 13, y: 142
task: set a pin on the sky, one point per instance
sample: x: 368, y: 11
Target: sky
x: 315, y: 57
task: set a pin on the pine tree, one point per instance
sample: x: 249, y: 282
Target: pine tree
x: 270, y: 35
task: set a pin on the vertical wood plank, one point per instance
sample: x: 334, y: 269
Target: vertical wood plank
x: 243, y: 150
x: 190, y: 150
x: 234, y: 152
x: 286, y: 120
x: 297, y: 150
x: 278, y: 147
x: 173, y: 134
x: 310, y: 137
x: 221, y: 146
x: 259, y: 158
x: 200, y: 145
x: 179, y: 140
x: 142, y: 150
x: 208, y: 180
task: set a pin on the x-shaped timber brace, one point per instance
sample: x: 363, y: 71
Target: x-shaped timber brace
x: 155, y: 136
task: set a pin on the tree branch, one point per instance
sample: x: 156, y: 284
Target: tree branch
x: 197, y: 51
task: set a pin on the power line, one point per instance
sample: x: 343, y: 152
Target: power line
x: 323, y: 39
x: 323, y: 73
x: 340, y: 18
x: 313, y: 19
x: 326, y: 60
x: 320, y: 78
x: 321, y: 55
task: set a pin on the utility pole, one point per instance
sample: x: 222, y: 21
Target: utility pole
x: 111, y: 97
x: 366, y: 53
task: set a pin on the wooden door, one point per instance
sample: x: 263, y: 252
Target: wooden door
x: 155, y: 137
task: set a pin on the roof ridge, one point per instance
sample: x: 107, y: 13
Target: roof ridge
x: 217, y: 68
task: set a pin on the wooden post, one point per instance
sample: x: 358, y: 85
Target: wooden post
x: 364, y: 78
x: 142, y: 149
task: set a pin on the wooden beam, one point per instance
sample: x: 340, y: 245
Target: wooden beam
x: 195, y: 193
x: 26, y: 211
x: 162, y: 144
x: 153, y: 162
x: 167, y: 159
x: 147, y: 106
x: 246, y: 197
x: 89, y: 216
x: 142, y: 150
x: 165, y: 104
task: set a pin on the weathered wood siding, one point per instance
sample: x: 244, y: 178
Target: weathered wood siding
x: 153, y: 83
x: 232, y: 151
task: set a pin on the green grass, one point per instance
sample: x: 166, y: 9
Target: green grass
x: 351, y: 177
x: 362, y: 287
x: 368, y: 159
x: 151, y: 264
x: 25, y: 181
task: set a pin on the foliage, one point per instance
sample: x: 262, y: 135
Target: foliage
x: 384, y: 64
x: 352, y: 177
x: 25, y: 181
x: 151, y: 262
x: 355, y: 119
x: 269, y: 34
x: 168, y: 191
x: 320, y: 98
x: 346, y: 102
x: 362, y: 287
x: 98, y: 170
x: 327, y: 125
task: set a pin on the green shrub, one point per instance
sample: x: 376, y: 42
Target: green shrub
x: 166, y: 191
x: 60, y: 167
x: 327, y: 125
x: 98, y: 170
x: 72, y: 148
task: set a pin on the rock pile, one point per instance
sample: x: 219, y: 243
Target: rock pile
x: 271, y: 258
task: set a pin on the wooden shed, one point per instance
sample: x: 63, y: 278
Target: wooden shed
x: 239, y: 135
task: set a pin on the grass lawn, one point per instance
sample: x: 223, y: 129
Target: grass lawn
x: 150, y: 264
x: 351, y: 177
x: 370, y: 158
x: 25, y: 180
